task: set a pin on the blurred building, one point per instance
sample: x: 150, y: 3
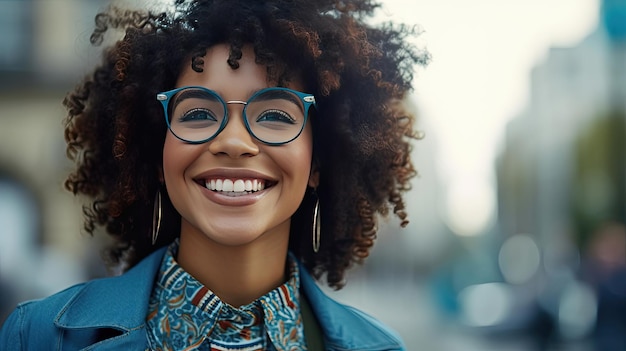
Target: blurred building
x: 561, y: 173
x: 44, y: 51
x: 570, y: 91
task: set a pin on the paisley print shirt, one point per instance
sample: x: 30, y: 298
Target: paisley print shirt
x: 185, y: 315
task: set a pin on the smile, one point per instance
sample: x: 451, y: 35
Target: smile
x: 235, y: 187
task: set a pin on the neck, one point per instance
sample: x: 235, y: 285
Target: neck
x: 240, y: 274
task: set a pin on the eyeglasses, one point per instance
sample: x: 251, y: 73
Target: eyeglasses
x: 274, y: 116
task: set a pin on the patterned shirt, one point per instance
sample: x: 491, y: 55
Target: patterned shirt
x: 185, y: 315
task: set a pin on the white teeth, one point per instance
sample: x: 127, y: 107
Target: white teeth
x: 239, y: 186
x: 228, y: 185
x: 235, y: 186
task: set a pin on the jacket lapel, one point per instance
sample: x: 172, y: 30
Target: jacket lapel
x: 117, y: 303
x: 344, y: 327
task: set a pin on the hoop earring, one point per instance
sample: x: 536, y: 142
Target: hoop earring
x: 156, y: 217
x: 317, y: 224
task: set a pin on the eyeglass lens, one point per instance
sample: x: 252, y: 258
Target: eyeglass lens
x: 272, y: 116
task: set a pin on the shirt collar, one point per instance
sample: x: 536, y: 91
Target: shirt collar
x: 183, y: 313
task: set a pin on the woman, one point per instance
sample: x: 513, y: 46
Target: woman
x: 234, y: 150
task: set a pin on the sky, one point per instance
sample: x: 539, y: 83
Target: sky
x: 478, y: 80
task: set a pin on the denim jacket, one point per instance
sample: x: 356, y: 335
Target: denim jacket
x: 110, y: 313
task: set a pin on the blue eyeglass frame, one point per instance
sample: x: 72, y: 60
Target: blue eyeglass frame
x: 307, y: 100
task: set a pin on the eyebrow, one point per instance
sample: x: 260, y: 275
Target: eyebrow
x: 279, y: 94
x: 190, y: 93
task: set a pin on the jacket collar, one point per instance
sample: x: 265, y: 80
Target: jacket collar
x: 121, y: 303
x: 364, y: 332
x: 117, y: 302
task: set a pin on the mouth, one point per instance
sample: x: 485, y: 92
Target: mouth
x: 236, y: 186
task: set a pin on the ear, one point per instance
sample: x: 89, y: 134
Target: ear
x: 314, y: 176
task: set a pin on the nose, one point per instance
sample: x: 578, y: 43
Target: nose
x: 234, y: 140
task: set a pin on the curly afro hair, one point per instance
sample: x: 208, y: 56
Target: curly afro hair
x: 359, y: 73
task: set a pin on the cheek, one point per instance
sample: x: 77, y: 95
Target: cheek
x: 168, y: 160
x: 174, y: 158
x: 299, y: 157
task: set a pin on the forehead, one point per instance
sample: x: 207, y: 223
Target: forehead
x: 218, y: 75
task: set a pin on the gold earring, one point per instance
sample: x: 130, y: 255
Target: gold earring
x: 317, y: 223
x: 156, y: 217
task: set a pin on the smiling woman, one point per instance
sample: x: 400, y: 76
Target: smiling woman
x: 217, y: 221
x: 236, y: 150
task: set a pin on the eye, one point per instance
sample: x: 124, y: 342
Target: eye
x: 198, y: 115
x: 275, y: 116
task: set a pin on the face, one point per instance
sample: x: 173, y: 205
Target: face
x: 277, y: 175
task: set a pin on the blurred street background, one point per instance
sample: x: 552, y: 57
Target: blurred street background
x: 517, y: 240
